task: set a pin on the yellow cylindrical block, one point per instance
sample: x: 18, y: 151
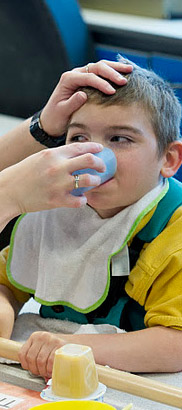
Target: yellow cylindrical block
x: 74, y: 372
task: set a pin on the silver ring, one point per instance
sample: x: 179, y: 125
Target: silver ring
x: 87, y: 68
x: 77, y: 179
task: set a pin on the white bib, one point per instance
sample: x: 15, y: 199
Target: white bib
x: 63, y: 256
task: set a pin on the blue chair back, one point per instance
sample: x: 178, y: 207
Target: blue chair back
x: 73, y: 31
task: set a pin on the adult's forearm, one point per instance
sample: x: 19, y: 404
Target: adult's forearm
x: 17, y: 144
x: 156, y: 349
x: 8, y: 209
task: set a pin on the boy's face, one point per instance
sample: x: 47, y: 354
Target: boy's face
x: 128, y: 132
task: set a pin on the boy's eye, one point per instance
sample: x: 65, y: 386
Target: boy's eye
x: 77, y: 138
x: 121, y: 138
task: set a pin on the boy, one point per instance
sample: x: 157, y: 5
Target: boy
x: 118, y: 260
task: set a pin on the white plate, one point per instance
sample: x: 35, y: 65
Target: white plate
x: 48, y: 395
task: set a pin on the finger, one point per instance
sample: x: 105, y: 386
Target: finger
x: 112, y: 72
x: 23, y: 353
x: 86, y: 161
x: 42, y: 359
x: 50, y: 362
x: 108, y: 69
x: 122, y: 67
x: 75, y: 201
x: 77, y: 149
x: 28, y: 355
x: 92, y: 80
x: 86, y: 180
x: 73, y: 103
x: 68, y: 200
x: 46, y: 355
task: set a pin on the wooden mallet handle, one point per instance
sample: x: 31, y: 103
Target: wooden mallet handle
x: 9, y: 349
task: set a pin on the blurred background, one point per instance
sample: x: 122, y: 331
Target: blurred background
x: 156, y: 8
x: 40, y: 39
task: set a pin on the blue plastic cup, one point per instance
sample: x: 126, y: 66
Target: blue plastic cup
x: 109, y: 158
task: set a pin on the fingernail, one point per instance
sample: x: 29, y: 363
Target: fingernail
x: 121, y: 78
x: 124, y: 80
x: 110, y: 88
x: 100, y: 146
x: 82, y: 95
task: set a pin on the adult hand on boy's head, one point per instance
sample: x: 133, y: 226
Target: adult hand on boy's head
x: 65, y: 100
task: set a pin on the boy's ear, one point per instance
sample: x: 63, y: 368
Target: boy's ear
x: 172, y: 159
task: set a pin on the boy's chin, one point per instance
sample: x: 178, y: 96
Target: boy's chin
x: 96, y: 200
x: 93, y: 196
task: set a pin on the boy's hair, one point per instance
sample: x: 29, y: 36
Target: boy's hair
x: 153, y: 94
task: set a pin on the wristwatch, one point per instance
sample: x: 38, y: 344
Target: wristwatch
x: 41, y: 136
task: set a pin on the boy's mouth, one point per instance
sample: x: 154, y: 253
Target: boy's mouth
x: 106, y: 182
x: 103, y: 184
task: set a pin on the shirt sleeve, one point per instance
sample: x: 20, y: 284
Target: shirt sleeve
x: 164, y: 301
x: 20, y: 296
x: 156, y: 280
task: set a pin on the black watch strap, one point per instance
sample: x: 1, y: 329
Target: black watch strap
x: 41, y: 136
